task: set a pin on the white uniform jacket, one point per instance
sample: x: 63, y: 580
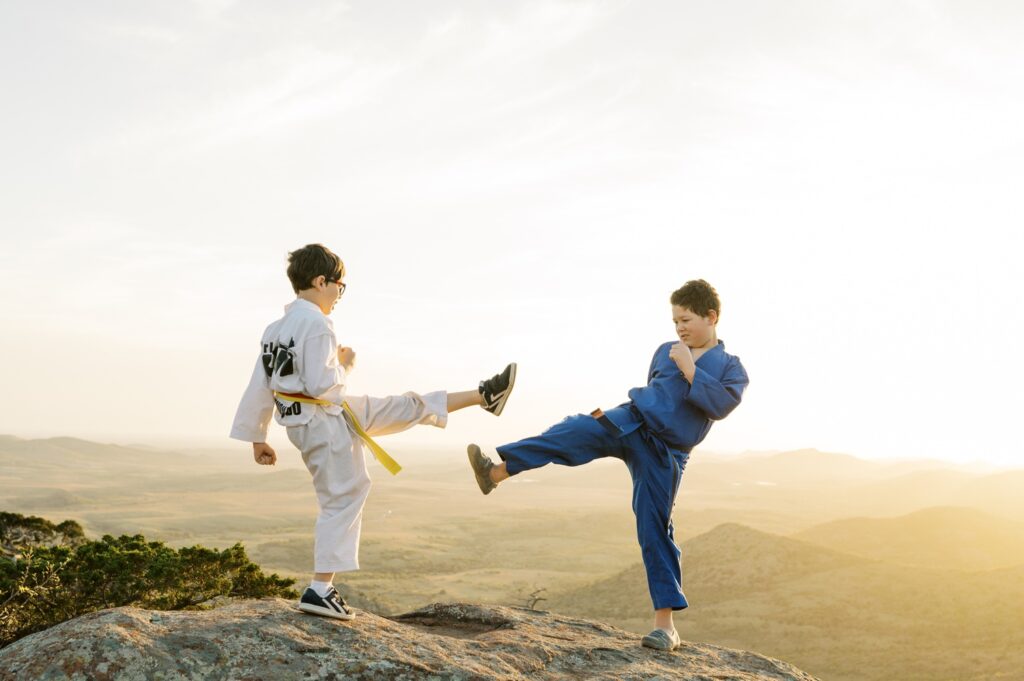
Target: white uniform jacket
x: 299, y: 355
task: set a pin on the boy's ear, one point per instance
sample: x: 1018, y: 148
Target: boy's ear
x: 713, y: 316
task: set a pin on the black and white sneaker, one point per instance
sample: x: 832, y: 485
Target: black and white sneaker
x: 331, y: 605
x: 497, y: 389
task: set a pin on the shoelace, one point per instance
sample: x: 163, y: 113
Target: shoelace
x: 333, y: 595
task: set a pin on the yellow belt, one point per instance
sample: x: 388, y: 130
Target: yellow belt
x: 378, y: 452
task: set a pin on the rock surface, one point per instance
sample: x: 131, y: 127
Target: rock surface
x: 270, y: 639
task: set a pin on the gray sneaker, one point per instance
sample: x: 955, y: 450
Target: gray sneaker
x: 481, y: 468
x: 659, y: 639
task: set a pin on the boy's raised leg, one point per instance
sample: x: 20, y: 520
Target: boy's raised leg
x: 466, y: 398
x: 575, y: 441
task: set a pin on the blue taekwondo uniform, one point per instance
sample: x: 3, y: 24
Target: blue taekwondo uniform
x: 653, y: 434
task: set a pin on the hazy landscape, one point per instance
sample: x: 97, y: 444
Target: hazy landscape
x: 849, y: 569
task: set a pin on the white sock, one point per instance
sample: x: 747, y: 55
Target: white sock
x: 321, y: 588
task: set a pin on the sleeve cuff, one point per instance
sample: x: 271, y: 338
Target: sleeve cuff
x: 246, y: 435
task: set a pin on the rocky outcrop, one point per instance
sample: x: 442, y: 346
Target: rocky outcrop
x: 269, y: 639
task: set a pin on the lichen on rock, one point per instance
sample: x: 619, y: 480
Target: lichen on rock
x: 271, y: 639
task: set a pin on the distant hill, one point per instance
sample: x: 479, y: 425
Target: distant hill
x: 43, y: 453
x: 727, y: 563
x: 959, y: 538
x: 733, y: 560
x: 996, y: 493
x: 914, y: 490
x: 814, y: 465
x: 804, y: 467
x: 807, y: 484
x: 65, y: 458
x: 839, y: 616
x: 1000, y: 493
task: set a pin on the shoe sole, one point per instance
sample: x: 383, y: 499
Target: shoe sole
x: 508, y: 392
x: 311, y: 609
x: 473, y: 453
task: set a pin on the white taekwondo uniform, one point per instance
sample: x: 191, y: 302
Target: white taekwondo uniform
x: 300, y: 355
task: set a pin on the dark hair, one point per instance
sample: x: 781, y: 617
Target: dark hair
x: 698, y: 296
x: 310, y: 262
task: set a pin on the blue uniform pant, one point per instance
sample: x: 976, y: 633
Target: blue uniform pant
x: 656, y: 471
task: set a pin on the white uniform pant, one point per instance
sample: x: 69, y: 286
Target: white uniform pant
x: 333, y: 453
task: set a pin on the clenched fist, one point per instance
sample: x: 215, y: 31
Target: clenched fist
x: 264, y: 454
x: 346, y: 357
x: 683, y: 358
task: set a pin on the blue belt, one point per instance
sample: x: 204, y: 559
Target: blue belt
x: 625, y: 419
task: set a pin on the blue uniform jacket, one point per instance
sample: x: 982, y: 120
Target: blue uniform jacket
x: 678, y: 413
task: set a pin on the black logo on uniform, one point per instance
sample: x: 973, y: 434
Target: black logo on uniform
x: 279, y: 359
x: 293, y: 410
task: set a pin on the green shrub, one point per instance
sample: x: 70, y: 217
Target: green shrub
x: 48, y: 585
x: 16, y: 528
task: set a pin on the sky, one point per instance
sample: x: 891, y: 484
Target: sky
x: 519, y: 181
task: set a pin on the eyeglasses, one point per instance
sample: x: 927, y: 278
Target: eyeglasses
x: 341, y: 285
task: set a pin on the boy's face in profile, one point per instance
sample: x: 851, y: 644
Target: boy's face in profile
x: 693, y: 330
x: 325, y: 293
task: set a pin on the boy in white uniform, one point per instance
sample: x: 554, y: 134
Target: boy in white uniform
x: 301, y: 374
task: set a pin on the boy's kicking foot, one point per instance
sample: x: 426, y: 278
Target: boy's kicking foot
x: 481, y: 468
x: 329, y: 605
x: 496, y: 390
x: 488, y: 474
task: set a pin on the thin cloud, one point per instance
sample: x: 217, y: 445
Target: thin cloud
x: 143, y: 33
x: 312, y: 87
x: 541, y: 28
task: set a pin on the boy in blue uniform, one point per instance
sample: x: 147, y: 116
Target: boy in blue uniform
x: 691, y: 383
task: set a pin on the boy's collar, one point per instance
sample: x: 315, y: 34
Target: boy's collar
x: 720, y: 345
x: 302, y: 302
